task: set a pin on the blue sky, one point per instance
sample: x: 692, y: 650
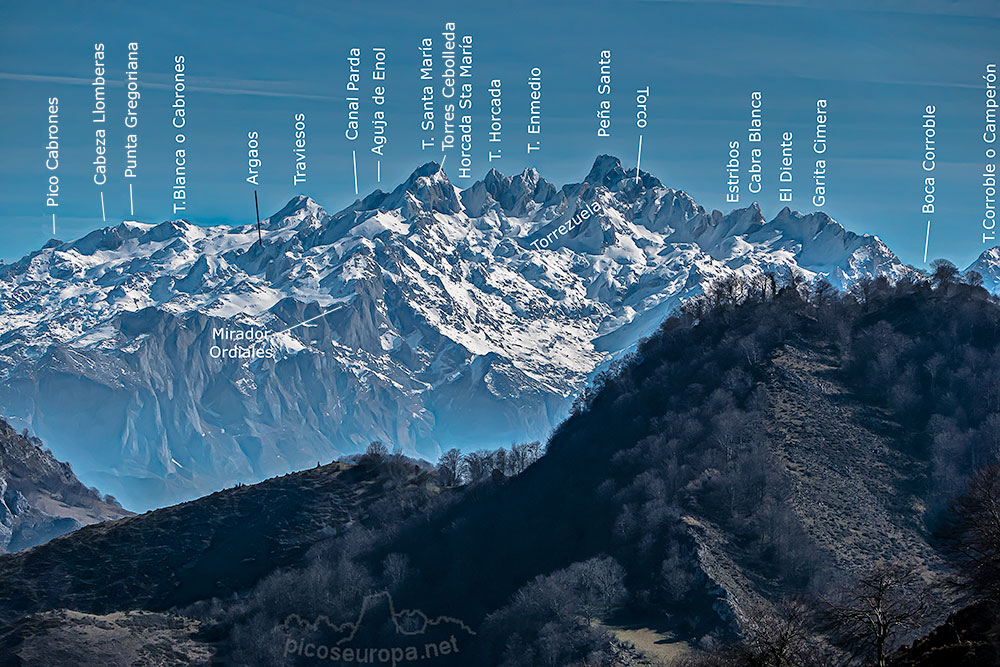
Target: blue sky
x: 254, y: 65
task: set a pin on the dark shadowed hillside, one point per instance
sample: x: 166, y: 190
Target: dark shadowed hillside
x: 764, y: 447
x: 763, y: 461
x: 40, y: 497
x: 219, y: 545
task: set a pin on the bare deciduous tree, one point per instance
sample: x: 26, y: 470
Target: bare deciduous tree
x: 973, y: 536
x: 945, y: 273
x: 478, y: 464
x: 870, y: 616
x: 500, y: 462
x: 377, y: 450
x: 600, y: 584
x: 522, y: 456
x: 974, y: 278
x: 784, y: 638
x: 450, y: 467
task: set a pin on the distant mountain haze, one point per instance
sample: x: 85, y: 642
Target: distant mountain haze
x: 40, y: 497
x: 769, y: 451
x: 166, y: 361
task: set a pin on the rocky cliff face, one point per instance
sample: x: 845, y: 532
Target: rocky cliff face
x: 426, y: 317
x: 40, y: 497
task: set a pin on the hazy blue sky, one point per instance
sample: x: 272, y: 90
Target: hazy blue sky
x: 253, y: 65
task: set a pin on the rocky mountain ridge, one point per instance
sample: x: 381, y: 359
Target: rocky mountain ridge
x: 751, y: 455
x: 424, y: 317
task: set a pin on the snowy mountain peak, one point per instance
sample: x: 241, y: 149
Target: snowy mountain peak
x: 425, y: 317
x: 430, y: 176
x: 297, y: 204
x: 300, y: 213
x: 518, y: 194
x: 607, y: 171
x: 427, y: 189
x: 988, y: 266
x: 989, y: 257
x: 816, y: 221
x: 430, y: 169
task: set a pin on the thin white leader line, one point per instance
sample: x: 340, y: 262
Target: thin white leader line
x: 927, y: 240
x: 445, y: 157
x: 131, y: 205
x: 354, y: 157
x: 53, y: 224
x: 296, y: 326
x: 379, y: 171
x: 638, y: 160
x: 103, y: 216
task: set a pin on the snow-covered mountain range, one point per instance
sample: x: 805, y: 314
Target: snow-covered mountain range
x: 427, y: 317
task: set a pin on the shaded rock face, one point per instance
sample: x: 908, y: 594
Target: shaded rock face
x: 424, y: 317
x: 40, y: 497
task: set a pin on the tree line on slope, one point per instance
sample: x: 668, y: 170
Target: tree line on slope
x: 457, y: 469
x: 673, y: 433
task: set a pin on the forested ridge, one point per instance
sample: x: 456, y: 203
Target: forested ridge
x: 777, y: 466
x: 668, y: 495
